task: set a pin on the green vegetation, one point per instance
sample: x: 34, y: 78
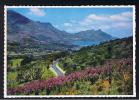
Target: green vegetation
x: 33, y: 71
x: 27, y: 69
x: 11, y: 77
x: 112, y: 78
x: 110, y: 73
x: 41, y: 49
x: 15, y: 62
x: 37, y: 52
x: 97, y: 55
x: 47, y: 74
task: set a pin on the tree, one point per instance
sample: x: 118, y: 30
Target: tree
x: 26, y: 60
x: 30, y: 72
x: 109, y: 52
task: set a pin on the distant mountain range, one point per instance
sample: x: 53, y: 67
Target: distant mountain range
x: 25, y: 31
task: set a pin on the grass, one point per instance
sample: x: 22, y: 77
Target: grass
x: 62, y: 70
x: 47, y: 74
x: 15, y: 62
x: 60, y: 64
x: 11, y: 77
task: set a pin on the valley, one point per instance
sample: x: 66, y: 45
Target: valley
x: 43, y: 60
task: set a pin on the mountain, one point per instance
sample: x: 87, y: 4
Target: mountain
x: 93, y: 35
x: 28, y: 32
x: 20, y: 28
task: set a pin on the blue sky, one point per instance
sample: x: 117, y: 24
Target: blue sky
x: 115, y: 21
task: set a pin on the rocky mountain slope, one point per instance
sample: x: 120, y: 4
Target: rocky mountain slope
x: 28, y: 32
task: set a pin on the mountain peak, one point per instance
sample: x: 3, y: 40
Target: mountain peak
x: 16, y: 17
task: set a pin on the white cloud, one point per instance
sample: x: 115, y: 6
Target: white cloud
x: 37, y: 12
x: 96, y: 17
x: 122, y: 25
x: 105, y: 22
x: 125, y: 16
x: 119, y: 25
x: 93, y: 18
x: 68, y: 24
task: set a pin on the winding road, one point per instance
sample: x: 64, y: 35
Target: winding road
x: 55, y: 68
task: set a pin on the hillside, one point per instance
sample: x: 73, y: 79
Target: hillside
x: 24, y: 28
x: 104, y: 69
x: 96, y: 55
x: 113, y: 78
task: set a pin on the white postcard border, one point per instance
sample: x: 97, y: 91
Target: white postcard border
x: 62, y: 96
